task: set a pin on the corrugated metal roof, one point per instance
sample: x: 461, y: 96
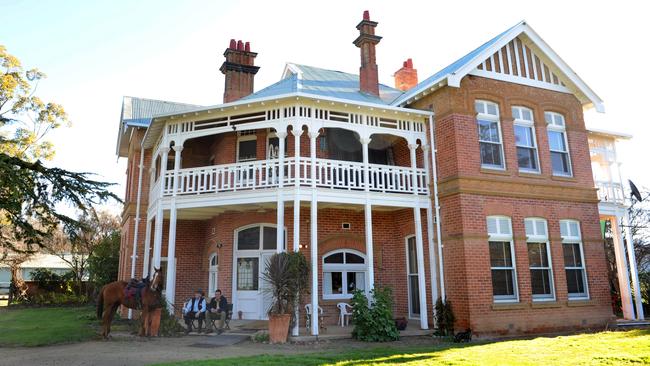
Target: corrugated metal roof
x: 327, y: 83
x: 450, y: 69
x: 140, y: 109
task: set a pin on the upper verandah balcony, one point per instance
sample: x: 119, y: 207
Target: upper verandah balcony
x: 235, y: 147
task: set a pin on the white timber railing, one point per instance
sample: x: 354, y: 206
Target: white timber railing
x: 610, y: 192
x: 263, y: 174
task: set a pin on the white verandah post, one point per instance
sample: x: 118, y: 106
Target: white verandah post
x: 432, y: 259
x: 296, y: 132
x: 365, y: 141
x: 422, y: 288
x: 282, y: 134
x: 157, y: 243
x: 170, y: 283
x: 621, y: 268
x: 634, y: 272
x: 314, y: 235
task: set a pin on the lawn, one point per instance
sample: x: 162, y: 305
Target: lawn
x: 43, y: 326
x: 607, y: 348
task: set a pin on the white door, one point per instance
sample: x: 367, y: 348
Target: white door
x: 265, y: 295
x: 212, y: 275
x: 412, y: 278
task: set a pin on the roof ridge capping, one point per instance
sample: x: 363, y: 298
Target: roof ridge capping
x: 453, y: 73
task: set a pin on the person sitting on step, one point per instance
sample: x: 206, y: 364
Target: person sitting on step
x: 194, y: 309
x: 217, y: 309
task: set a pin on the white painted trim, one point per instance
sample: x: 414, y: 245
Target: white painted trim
x: 520, y: 80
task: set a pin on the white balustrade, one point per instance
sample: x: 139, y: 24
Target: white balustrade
x: 262, y: 174
x: 610, y: 192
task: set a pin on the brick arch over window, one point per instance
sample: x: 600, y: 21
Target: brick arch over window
x: 342, y: 241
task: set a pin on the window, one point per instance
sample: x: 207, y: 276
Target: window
x: 273, y: 146
x: 558, y: 144
x: 502, y: 259
x: 574, y: 264
x: 248, y: 274
x: 247, y: 146
x: 344, y: 271
x: 489, y: 135
x: 539, y: 259
x: 412, y: 278
x: 212, y: 274
x: 524, y: 127
x: 259, y: 237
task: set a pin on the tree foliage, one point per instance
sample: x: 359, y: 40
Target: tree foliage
x: 104, y: 262
x: 30, y: 190
x: 77, y: 248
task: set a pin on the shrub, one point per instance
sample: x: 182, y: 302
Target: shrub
x: 445, y: 318
x: 58, y: 298
x: 374, y: 322
x: 260, y: 337
x: 48, y: 280
x: 103, y: 263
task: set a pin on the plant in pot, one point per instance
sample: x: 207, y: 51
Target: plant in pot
x: 287, y: 278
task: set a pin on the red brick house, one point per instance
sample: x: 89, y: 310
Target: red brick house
x: 474, y: 185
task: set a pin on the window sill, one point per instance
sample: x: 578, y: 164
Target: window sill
x: 494, y: 171
x: 544, y: 304
x: 508, y: 305
x: 531, y: 175
x: 563, y: 178
x: 580, y: 302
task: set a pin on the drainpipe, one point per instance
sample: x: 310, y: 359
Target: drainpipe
x: 137, y: 217
x: 437, y: 206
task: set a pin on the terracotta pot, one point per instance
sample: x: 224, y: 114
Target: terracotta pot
x: 279, y: 327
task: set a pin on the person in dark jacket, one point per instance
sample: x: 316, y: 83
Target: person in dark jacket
x: 217, y: 309
x: 194, y: 308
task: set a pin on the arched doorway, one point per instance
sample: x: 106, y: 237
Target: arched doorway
x: 213, y: 273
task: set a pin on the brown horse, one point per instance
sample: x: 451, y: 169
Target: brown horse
x: 112, y: 295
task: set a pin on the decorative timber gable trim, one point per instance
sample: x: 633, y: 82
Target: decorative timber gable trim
x: 519, y: 55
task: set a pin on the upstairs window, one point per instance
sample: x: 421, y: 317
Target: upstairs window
x: 489, y: 135
x: 246, y: 146
x: 574, y: 264
x: 344, y: 271
x: 539, y: 259
x: 273, y: 146
x: 502, y: 259
x: 558, y: 144
x: 524, y: 127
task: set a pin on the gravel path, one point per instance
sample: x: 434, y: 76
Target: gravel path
x: 127, y: 350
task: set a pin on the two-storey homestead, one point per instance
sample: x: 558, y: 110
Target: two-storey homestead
x: 473, y: 185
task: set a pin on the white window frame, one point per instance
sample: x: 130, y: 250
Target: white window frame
x: 540, y: 238
x: 213, y: 269
x: 555, y: 122
x: 248, y: 135
x: 483, y: 114
x: 571, y: 237
x: 504, y: 237
x: 344, y: 268
x: 271, y: 135
x: 519, y: 120
x: 408, y: 277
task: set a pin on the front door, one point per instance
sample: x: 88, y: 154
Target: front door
x: 265, y: 293
x: 412, y: 278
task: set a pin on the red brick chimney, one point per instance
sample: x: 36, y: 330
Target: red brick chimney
x: 406, y: 77
x: 367, y: 40
x: 239, y: 69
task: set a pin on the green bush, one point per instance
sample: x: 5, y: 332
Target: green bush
x: 59, y: 298
x: 260, y: 337
x: 374, y: 322
x: 103, y: 263
x: 445, y: 318
x: 48, y: 280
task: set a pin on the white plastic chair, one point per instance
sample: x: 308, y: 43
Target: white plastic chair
x: 345, y: 310
x: 308, y: 317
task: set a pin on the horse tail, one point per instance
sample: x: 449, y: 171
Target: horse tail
x: 100, y: 304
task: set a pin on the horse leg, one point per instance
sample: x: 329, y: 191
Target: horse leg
x: 106, y: 320
x: 144, y: 329
x: 111, y: 314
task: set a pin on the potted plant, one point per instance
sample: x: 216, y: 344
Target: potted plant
x: 287, y: 276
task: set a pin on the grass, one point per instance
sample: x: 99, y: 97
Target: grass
x: 44, y: 326
x: 607, y: 348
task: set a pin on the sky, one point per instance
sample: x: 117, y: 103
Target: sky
x: 96, y: 52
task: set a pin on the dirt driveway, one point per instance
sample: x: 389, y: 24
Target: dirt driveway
x: 127, y: 350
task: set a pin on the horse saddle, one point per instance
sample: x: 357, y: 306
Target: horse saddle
x: 134, y: 290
